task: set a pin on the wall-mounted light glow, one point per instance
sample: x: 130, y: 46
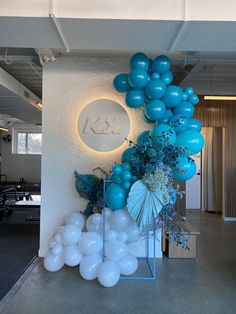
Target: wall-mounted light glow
x: 3, y: 129
x: 39, y: 105
x: 214, y: 97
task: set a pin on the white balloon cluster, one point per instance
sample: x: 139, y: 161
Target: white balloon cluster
x: 71, y: 246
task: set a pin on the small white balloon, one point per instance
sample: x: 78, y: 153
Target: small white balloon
x: 57, y: 249
x: 77, y: 219
x: 89, y: 266
x: 108, y: 274
x: 128, y: 265
x: 110, y: 235
x: 90, y: 226
x: 96, y: 219
x: 115, y: 250
x: 107, y: 211
x: 122, y: 236
x: 71, y: 235
x: 72, y: 255
x: 120, y: 219
x: 52, y: 243
x: 58, y: 237
x: 132, y: 232
x: 53, y: 262
x: 90, y: 243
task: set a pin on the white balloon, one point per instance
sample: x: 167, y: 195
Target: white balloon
x: 108, y: 274
x: 96, y: 219
x: 52, y: 243
x: 89, y: 266
x: 90, y: 226
x: 122, y: 236
x: 132, y: 232
x: 58, y: 237
x: 77, y: 219
x: 110, y: 235
x: 120, y: 219
x: 90, y: 243
x: 108, y: 212
x: 128, y: 265
x: 115, y: 250
x: 53, y: 262
x: 57, y: 249
x: 72, y: 255
x: 71, y: 235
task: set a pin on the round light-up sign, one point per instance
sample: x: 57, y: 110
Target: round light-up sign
x: 103, y: 125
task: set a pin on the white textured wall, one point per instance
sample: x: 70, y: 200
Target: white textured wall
x: 68, y: 85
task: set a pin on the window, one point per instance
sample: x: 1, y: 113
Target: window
x: 27, y: 142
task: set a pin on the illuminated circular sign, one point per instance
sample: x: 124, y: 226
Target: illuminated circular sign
x: 103, y: 125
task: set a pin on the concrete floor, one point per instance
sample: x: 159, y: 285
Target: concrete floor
x: 205, y: 285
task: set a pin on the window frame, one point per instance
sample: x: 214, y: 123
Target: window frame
x: 26, y: 131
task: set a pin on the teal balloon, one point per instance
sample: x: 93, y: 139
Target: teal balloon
x: 185, y: 169
x: 192, y: 140
x: 155, y: 76
x: 139, y: 61
x: 134, y: 98
x: 195, y: 124
x: 126, y: 166
x: 142, y: 138
x: 189, y: 91
x: 193, y: 99
x: 126, y: 185
x: 155, y: 109
x: 129, y: 154
x: 147, y: 119
x: 161, y: 64
x: 155, y: 89
x: 167, y: 77
x: 121, y: 83
x: 115, y: 196
x: 179, y: 123
x: 138, y: 78
x: 126, y: 175
x: 184, y: 96
x: 167, y: 116
x: 173, y: 96
x: 117, y: 169
x: 185, y: 108
x: 163, y: 134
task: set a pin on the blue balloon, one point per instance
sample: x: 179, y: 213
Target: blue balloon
x: 167, y: 116
x: 184, y: 96
x: 155, y: 76
x: 185, y: 169
x: 139, y: 61
x: 135, y: 98
x: 167, y: 77
x: 138, y: 78
x: 189, y: 91
x: 193, y: 99
x: 155, y: 89
x: 195, y: 124
x: 116, y: 178
x: 161, y: 64
x: 155, y: 109
x: 115, y: 196
x: 179, y: 123
x: 173, y: 96
x: 143, y: 137
x: 129, y: 154
x: 117, y: 169
x: 126, y: 185
x: 147, y: 119
x: 126, y: 175
x: 121, y: 83
x: 126, y: 166
x: 185, y: 108
x: 192, y: 140
x: 163, y: 134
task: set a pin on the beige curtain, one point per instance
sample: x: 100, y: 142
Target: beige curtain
x: 212, y: 170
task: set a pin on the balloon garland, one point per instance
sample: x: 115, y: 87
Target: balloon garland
x: 141, y: 190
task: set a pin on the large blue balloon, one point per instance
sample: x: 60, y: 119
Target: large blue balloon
x: 185, y: 169
x: 115, y: 197
x: 155, y: 89
x: 179, y: 123
x: 155, y: 109
x: 195, y: 124
x: 167, y: 116
x: 147, y: 119
x: 155, y: 76
x: 139, y: 61
x: 189, y: 91
x: 173, y: 96
x: 129, y: 154
x: 142, y: 138
x: 192, y: 140
x: 184, y: 96
x: 167, y: 77
x: 185, y: 108
x: 161, y: 64
x: 138, y: 78
x: 163, y: 134
x: 193, y: 99
x: 134, y: 98
x: 121, y: 83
